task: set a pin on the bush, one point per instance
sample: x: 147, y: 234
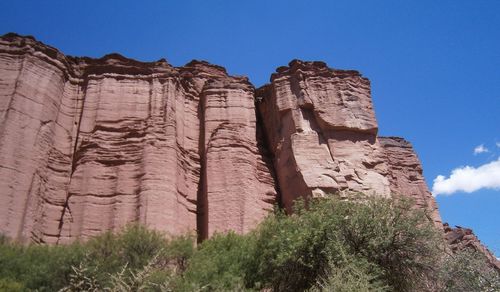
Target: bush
x: 351, y: 277
x: 45, y: 268
x: 399, y: 243
x: 10, y: 285
x: 362, y: 244
x: 221, y: 263
x: 135, y: 255
x: 50, y: 268
x: 133, y: 247
x: 469, y: 270
x: 369, y: 243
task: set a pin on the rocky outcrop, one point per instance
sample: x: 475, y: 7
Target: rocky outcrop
x: 460, y: 238
x: 322, y: 131
x: 405, y: 175
x: 88, y: 145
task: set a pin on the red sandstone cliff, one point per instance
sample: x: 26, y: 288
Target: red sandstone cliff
x: 89, y: 145
x: 322, y: 130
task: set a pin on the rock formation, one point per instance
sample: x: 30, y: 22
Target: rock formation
x: 89, y: 145
x: 460, y: 238
x: 322, y: 131
x: 405, y: 175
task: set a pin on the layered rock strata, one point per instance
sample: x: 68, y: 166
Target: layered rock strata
x: 322, y: 131
x: 89, y: 145
x: 406, y: 175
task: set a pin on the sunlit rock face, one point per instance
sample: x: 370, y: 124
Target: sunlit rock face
x: 90, y: 145
x: 322, y: 131
x: 405, y: 175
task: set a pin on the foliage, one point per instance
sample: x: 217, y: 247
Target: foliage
x: 81, y: 280
x: 93, y: 264
x: 468, y: 270
x: 7, y: 284
x: 374, y: 243
x: 329, y: 244
x: 350, y: 277
x: 220, y: 264
x: 134, y: 248
x: 398, y: 243
x: 38, y: 266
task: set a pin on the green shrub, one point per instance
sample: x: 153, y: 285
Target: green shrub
x: 45, y: 268
x: 361, y: 244
x: 468, y: 270
x: 4, y: 239
x: 355, y: 276
x: 10, y: 285
x: 400, y: 243
x: 220, y: 264
x: 50, y: 268
x: 132, y: 250
x: 109, y: 253
x: 371, y: 243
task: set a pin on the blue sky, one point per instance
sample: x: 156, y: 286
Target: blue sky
x: 434, y: 66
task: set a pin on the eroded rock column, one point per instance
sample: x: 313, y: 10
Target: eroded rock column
x: 240, y: 189
x: 322, y: 131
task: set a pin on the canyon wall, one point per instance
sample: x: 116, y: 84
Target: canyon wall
x: 89, y: 145
x: 322, y: 131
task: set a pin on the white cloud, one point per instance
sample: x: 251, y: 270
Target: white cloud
x: 498, y: 144
x: 469, y: 179
x: 480, y: 149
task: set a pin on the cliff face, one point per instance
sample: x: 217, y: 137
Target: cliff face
x: 322, y: 131
x: 405, y: 175
x: 88, y: 145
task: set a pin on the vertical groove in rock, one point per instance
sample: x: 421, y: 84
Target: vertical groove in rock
x: 79, y: 109
x: 9, y: 86
x: 11, y: 97
x: 25, y: 209
x: 202, y: 201
x: 278, y: 127
x: 240, y: 189
x: 263, y: 146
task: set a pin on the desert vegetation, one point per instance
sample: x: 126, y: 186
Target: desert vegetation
x: 328, y: 244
